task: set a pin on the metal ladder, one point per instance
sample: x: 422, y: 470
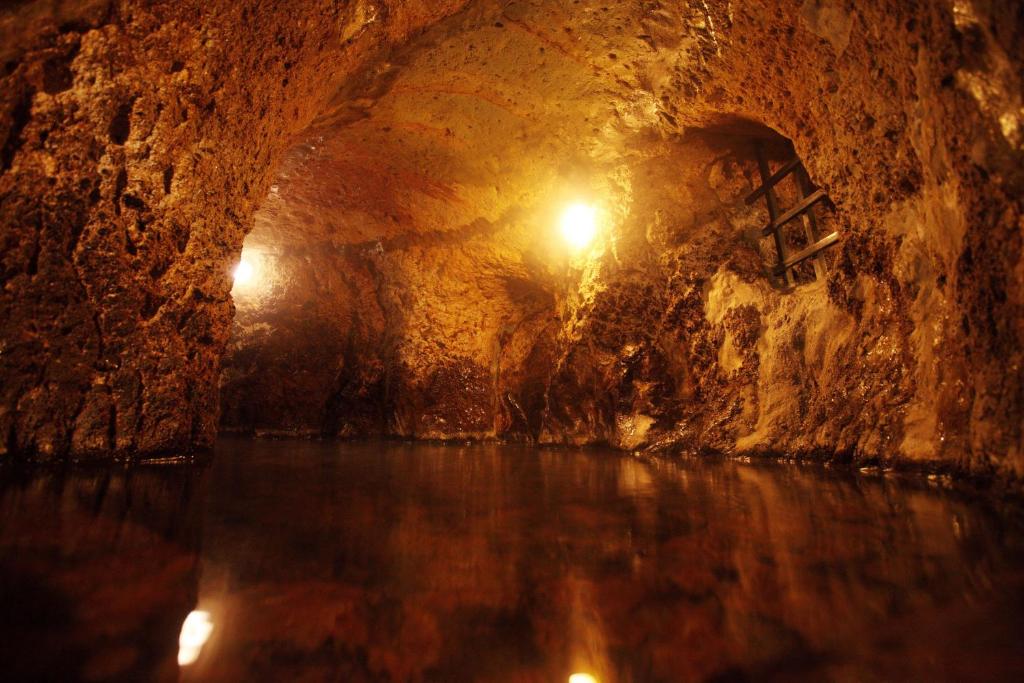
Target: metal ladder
x: 807, y: 199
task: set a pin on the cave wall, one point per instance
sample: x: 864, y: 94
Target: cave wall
x: 407, y: 337
x: 668, y: 335
x: 293, y: 337
x: 416, y: 189
x: 917, y: 355
x: 137, y: 140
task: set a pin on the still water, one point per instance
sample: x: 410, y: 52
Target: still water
x: 307, y: 561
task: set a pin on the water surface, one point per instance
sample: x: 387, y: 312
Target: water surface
x: 395, y: 562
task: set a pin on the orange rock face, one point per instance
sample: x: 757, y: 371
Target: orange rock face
x: 138, y: 139
x: 400, y: 169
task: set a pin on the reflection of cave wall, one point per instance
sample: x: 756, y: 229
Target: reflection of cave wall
x: 452, y: 153
x: 91, y: 559
x: 463, y: 550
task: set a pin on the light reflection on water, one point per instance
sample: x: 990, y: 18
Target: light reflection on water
x: 492, y: 563
x: 195, y: 631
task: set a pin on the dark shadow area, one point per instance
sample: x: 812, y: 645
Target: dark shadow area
x: 98, y: 568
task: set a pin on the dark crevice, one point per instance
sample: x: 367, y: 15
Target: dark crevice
x: 182, y: 235
x: 168, y: 179
x: 133, y: 202
x: 159, y: 268
x: 20, y: 116
x: 57, y: 73
x: 120, y: 183
x: 121, y: 125
x: 33, y: 259
x: 151, y: 305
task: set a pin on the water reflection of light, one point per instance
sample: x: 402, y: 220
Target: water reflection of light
x: 194, y: 634
x: 582, y: 678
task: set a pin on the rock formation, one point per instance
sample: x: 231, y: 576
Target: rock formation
x: 399, y: 168
x: 138, y: 139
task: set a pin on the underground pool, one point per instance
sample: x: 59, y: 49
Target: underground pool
x: 392, y: 561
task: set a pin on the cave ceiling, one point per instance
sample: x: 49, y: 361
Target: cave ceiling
x: 500, y: 107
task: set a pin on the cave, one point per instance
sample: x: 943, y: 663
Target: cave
x: 511, y: 340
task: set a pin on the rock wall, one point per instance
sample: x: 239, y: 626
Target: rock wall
x: 448, y: 165
x: 405, y: 201
x: 917, y: 354
x: 137, y: 139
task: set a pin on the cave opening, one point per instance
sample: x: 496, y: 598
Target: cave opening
x: 491, y: 340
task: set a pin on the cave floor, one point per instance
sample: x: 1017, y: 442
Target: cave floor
x: 392, y: 561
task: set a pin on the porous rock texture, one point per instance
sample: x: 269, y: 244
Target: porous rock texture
x: 137, y: 139
x: 403, y: 203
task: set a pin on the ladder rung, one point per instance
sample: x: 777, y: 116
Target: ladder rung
x: 809, y: 252
x: 805, y: 203
x: 787, y: 168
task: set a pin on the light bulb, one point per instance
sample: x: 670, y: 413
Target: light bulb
x: 579, y: 225
x: 243, y: 272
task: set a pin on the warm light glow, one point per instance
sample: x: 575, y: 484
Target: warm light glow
x: 194, y: 634
x: 579, y: 226
x: 244, y: 272
x: 582, y: 678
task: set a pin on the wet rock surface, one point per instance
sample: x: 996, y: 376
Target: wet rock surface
x: 433, y: 184
x: 402, y: 166
x: 394, y: 562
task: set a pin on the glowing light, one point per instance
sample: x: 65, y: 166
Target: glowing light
x: 582, y: 678
x: 244, y: 272
x: 579, y: 226
x: 194, y: 634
